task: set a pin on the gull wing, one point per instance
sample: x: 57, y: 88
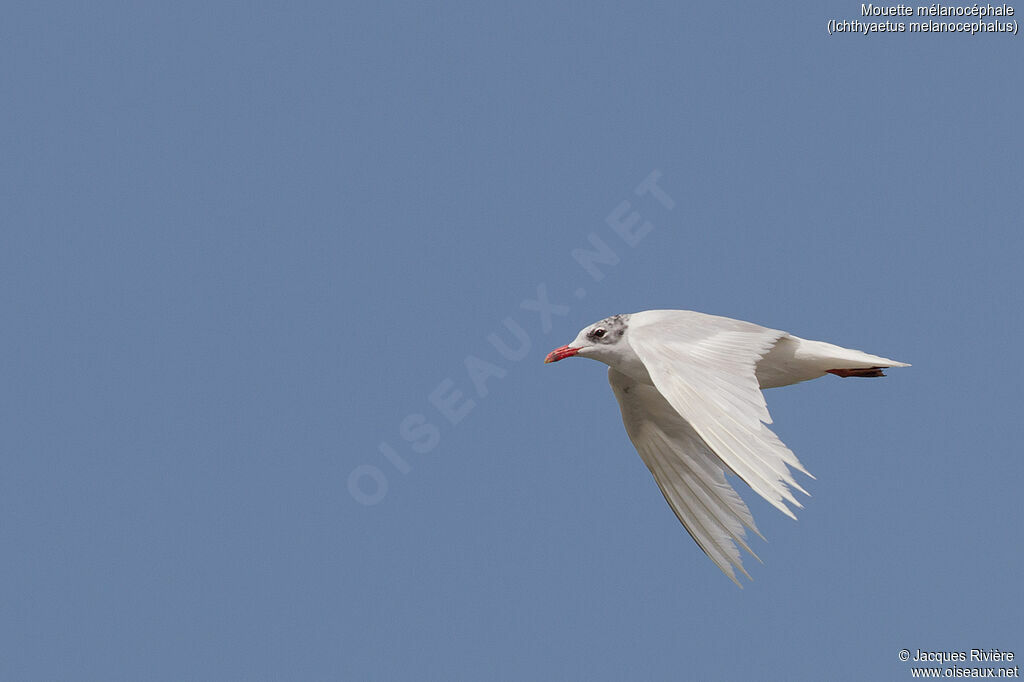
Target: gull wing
x: 704, y: 367
x: 690, y: 475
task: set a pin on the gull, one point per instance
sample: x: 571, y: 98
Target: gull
x: 689, y: 387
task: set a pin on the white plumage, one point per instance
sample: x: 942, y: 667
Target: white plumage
x: 689, y: 387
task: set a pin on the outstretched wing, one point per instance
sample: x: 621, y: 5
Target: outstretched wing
x: 704, y: 367
x: 690, y: 475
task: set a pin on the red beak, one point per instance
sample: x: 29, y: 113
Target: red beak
x: 561, y: 354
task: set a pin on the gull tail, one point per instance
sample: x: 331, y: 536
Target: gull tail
x: 793, y: 360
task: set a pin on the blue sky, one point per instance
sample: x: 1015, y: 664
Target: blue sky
x: 244, y: 246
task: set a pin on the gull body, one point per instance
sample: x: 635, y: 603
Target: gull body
x: 689, y: 388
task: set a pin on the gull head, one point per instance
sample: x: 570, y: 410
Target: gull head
x: 602, y: 341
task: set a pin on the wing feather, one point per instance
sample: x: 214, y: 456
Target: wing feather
x: 704, y: 367
x: 689, y: 474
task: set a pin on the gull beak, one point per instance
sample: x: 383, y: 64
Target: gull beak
x: 561, y: 354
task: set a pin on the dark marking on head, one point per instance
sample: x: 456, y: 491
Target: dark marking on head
x: 609, y: 330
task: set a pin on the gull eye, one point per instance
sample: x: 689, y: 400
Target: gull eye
x: 598, y: 333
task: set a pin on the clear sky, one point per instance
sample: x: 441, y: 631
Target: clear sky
x: 243, y: 246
